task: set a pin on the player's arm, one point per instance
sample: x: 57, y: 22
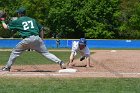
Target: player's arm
x: 42, y: 33
x: 73, y: 52
x: 70, y: 64
x: 3, y: 23
x: 88, y: 61
x: 88, y: 57
x: 10, y: 26
x: 71, y: 57
x: 2, y: 19
x: 41, y: 29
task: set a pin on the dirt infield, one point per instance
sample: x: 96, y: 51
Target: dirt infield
x: 106, y: 63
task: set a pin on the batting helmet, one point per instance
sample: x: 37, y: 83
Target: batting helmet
x: 82, y: 41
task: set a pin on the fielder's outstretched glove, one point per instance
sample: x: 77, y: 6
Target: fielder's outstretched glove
x: 2, y: 14
x: 82, y: 58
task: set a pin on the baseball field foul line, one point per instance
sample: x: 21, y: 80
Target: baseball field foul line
x: 77, y: 74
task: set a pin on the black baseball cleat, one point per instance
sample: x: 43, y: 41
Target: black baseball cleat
x: 5, y: 69
x: 62, y: 65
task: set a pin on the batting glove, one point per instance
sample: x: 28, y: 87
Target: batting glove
x: 82, y: 58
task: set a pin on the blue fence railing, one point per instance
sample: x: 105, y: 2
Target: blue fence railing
x: 11, y: 43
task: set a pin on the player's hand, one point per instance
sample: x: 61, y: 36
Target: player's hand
x: 2, y: 19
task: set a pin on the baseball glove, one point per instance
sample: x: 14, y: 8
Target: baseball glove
x: 2, y: 14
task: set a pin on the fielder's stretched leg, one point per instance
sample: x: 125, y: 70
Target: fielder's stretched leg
x: 17, y: 51
x: 39, y: 46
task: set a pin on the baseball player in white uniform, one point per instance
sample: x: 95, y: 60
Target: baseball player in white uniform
x: 82, y: 48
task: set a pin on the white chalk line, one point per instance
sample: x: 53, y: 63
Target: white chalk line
x: 66, y: 74
x: 124, y: 73
x: 33, y: 74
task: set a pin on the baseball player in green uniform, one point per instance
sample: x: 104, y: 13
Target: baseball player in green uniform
x: 32, y: 33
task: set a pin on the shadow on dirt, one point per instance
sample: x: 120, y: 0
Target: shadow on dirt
x: 22, y: 70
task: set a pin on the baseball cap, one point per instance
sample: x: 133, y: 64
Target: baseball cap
x: 21, y: 10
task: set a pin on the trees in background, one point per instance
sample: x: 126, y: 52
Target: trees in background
x: 84, y: 18
x: 130, y: 19
x: 97, y: 19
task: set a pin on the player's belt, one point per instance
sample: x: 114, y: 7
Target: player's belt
x: 28, y: 36
x: 24, y: 37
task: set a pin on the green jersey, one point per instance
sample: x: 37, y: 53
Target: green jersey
x: 26, y: 26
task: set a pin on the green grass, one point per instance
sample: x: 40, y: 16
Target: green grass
x: 32, y: 57
x: 65, y: 85
x: 61, y: 85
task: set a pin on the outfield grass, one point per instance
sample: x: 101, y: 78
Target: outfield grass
x: 75, y: 85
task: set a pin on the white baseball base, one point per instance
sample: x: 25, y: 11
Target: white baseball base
x: 113, y: 51
x: 68, y: 70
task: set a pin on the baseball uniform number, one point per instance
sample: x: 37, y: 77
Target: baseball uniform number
x: 27, y: 25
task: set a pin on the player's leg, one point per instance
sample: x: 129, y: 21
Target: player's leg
x: 40, y: 47
x: 17, y: 51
